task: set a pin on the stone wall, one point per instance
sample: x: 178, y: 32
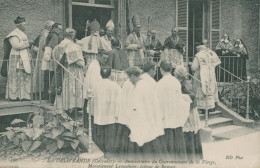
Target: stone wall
x: 163, y: 15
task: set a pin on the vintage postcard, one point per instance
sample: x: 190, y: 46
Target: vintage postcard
x: 130, y: 83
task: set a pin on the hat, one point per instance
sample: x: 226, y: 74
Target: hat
x: 94, y: 26
x: 136, y: 21
x: 110, y: 25
x: 148, y: 66
x: 19, y: 20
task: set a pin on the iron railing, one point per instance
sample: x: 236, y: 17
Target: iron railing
x: 233, y: 84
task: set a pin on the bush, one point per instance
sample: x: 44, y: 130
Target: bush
x: 51, y: 130
x: 235, y: 97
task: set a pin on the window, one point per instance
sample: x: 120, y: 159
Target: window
x: 94, y: 3
x: 84, y: 1
x: 104, y: 2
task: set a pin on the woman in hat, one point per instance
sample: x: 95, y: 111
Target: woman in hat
x: 224, y: 46
x: 242, y: 55
x: 224, y: 49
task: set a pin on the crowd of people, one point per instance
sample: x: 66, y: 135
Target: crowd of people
x: 132, y: 112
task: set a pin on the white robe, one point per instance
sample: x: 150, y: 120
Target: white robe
x: 125, y: 112
x: 173, y: 104
x: 107, y: 97
x: 145, y: 122
x: 92, y: 76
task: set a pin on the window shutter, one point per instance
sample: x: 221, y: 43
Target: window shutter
x: 182, y: 13
x: 122, y: 22
x: 68, y: 13
x: 214, y: 23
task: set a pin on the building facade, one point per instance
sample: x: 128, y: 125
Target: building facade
x: 196, y: 19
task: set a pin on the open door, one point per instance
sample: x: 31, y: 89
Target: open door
x: 78, y: 12
x: 195, y: 26
x: 182, y: 14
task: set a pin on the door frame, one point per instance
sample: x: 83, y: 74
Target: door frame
x: 90, y: 4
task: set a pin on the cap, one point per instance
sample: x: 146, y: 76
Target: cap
x: 19, y: 20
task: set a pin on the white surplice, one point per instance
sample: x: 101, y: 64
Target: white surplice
x: 92, y: 76
x: 145, y: 122
x: 125, y: 112
x: 107, y: 102
x: 173, y: 104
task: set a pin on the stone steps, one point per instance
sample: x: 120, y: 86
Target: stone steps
x: 225, y: 129
x: 214, y: 114
x: 217, y: 122
x: 233, y: 133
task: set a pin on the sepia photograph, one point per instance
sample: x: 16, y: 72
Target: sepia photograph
x: 130, y: 84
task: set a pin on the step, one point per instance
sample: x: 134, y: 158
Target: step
x: 214, y: 114
x: 225, y: 129
x: 12, y: 108
x: 217, y: 122
x: 234, y: 133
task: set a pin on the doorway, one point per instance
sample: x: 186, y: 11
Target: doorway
x: 80, y: 15
x: 195, y: 28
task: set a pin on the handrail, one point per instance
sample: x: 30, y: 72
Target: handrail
x: 194, y: 77
x: 231, y: 73
x: 69, y: 72
x: 206, y: 112
x: 231, y: 56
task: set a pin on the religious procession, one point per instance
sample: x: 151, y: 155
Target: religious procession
x: 144, y: 104
x: 141, y: 97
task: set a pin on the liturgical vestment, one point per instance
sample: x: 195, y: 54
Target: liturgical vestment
x: 175, y: 111
x: 107, y: 96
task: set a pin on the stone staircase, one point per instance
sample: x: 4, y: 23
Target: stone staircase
x: 223, y: 128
